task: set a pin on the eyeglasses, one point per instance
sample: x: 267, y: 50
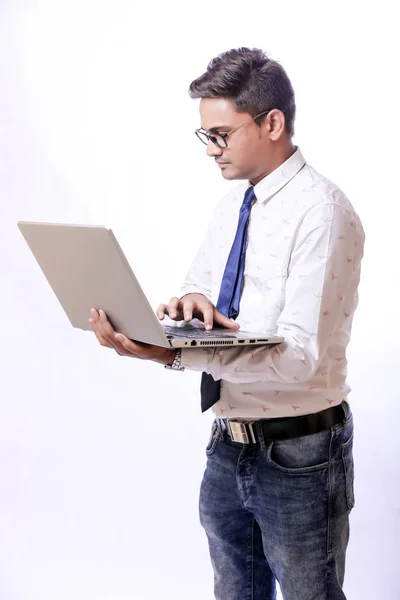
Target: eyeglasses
x: 219, y: 139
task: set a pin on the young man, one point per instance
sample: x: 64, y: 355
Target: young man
x: 282, y: 255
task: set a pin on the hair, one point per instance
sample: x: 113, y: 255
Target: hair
x: 250, y: 79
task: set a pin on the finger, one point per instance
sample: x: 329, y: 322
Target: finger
x: 161, y: 311
x: 207, y: 311
x: 145, y: 351
x: 107, y: 332
x: 131, y: 348
x: 98, y: 335
x: 104, y: 327
x: 95, y: 314
x: 103, y: 317
x: 173, y: 306
x: 188, y: 309
x: 224, y: 321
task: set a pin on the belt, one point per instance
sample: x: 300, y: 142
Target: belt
x: 246, y: 432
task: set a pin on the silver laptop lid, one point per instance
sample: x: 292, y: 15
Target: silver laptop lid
x: 86, y: 268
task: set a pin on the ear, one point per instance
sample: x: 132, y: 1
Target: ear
x: 275, y: 123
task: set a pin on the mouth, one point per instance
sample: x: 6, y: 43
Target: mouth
x: 221, y: 163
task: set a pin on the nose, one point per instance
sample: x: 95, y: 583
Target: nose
x: 213, y: 150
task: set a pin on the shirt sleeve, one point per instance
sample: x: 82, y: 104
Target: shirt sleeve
x: 198, y: 277
x: 323, y: 275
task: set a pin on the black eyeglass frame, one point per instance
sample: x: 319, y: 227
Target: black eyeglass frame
x: 211, y: 137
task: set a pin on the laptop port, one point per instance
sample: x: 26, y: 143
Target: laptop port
x: 252, y: 341
x: 193, y: 343
x: 241, y: 341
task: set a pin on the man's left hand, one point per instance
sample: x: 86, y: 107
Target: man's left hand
x: 109, y: 338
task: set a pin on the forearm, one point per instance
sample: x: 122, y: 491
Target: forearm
x: 289, y: 362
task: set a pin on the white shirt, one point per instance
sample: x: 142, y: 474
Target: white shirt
x: 302, y: 270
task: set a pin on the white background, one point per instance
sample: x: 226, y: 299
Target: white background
x: 101, y: 457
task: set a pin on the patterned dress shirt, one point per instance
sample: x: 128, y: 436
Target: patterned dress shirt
x: 303, y: 259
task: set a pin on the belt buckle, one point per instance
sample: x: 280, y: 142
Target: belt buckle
x: 241, y: 432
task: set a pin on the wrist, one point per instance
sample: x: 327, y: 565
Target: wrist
x: 168, y: 357
x: 176, y: 363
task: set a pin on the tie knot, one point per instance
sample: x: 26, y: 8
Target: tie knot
x: 249, y: 196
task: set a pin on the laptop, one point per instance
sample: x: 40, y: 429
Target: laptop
x: 86, y: 268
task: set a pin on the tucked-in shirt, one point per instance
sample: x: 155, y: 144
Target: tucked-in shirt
x: 302, y: 270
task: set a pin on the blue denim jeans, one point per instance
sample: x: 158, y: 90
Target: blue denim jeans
x: 279, y: 511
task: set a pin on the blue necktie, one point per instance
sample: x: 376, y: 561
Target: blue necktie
x: 230, y: 292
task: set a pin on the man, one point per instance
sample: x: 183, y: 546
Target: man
x: 282, y: 255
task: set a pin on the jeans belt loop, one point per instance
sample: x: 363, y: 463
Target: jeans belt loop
x: 242, y: 432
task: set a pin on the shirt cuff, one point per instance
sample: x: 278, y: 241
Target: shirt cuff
x: 197, y: 359
x: 194, y: 289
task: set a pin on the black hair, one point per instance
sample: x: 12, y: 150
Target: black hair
x: 254, y: 82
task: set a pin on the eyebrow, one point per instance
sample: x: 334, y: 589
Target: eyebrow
x: 218, y: 128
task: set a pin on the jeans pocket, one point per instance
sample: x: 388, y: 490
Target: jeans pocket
x: 348, y: 465
x: 301, y: 454
x: 214, y: 438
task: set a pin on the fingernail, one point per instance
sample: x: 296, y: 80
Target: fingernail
x: 119, y: 337
x: 208, y: 327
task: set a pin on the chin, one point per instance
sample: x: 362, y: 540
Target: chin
x: 230, y: 173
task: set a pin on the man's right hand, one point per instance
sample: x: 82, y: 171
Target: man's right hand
x: 195, y: 306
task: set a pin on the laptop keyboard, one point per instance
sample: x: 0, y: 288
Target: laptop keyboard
x: 195, y: 333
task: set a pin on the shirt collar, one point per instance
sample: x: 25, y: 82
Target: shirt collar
x: 275, y: 181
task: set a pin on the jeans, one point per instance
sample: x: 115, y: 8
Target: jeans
x: 279, y: 511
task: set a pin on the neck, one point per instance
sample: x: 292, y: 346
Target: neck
x: 280, y: 156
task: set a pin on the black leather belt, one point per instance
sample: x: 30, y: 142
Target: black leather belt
x: 284, y: 428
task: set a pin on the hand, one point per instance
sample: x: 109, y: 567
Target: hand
x: 195, y: 306
x: 123, y: 346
